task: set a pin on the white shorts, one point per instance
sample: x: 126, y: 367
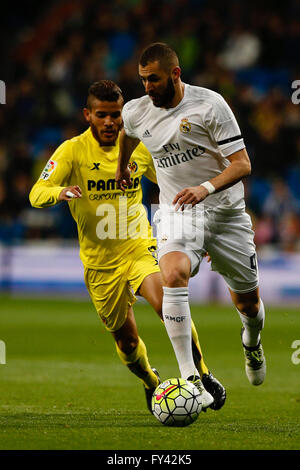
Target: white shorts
x: 226, y: 235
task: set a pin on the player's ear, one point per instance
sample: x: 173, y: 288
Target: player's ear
x: 87, y: 114
x: 176, y: 73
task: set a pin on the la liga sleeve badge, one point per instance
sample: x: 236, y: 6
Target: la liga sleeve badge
x: 48, y: 170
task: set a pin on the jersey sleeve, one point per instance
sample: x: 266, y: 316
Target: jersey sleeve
x: 147, y: 166
x: 54, y: 177
x: 150, y: 173
x: 224, y: 129
x: 128, y: 128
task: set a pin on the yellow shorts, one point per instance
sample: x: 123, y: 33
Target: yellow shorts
x: 112, y: 290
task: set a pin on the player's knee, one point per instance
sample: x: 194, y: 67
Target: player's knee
x: 248, y: 308
x: 176, y: 278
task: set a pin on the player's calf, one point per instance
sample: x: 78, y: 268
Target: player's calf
x: 252, y: 325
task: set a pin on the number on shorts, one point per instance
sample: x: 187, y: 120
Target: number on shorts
x: 153, y: 252
x: 253, y: 262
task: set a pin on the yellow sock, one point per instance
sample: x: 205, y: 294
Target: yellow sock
x: 138, y: 363
x: 197, y: 353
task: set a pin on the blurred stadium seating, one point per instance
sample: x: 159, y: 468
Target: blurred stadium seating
x: 247, y: 51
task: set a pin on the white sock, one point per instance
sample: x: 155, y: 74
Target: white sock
x: 253, y: 326
x: 177, y: 319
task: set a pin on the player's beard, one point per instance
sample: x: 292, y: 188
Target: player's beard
x: 96, y: 133
x: 165, y: 99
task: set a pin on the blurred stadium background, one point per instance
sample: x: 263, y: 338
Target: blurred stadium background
x: 53, y: 51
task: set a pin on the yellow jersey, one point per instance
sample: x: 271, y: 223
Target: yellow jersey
x: 112, y: 225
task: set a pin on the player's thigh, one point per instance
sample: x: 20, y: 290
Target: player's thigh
x: 111, y: 294
x: 143, y: 266
x: 151, y: 289
x: 180, y: 238
x: 233, y: 254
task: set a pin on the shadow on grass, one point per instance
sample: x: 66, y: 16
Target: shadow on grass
x: 102, y: 419
x: 112, y: 418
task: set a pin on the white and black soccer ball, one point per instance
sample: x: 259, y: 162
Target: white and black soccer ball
x: 176, y: 402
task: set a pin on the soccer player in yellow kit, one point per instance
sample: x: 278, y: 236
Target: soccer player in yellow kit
x: 117, y: 248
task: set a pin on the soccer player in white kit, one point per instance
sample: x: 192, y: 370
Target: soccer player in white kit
x: 200, y: 159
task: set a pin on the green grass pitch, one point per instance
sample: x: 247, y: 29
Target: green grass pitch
x: 63, y: 386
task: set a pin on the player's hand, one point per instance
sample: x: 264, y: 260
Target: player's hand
x: 190, y: 196
x: 208, y: 257
x: 123, y: 179
x: 66, y: 193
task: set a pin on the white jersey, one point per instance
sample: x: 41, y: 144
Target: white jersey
x: 189, y: 143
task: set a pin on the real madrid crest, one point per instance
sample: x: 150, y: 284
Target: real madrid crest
x: 185, y: 126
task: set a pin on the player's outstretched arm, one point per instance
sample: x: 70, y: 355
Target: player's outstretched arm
x: 239, y: 167
x: 127, y: 146
x: 43, y: 194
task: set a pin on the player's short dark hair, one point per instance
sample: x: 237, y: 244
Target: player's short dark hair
x: 104, y: 90
x: 161, y: 52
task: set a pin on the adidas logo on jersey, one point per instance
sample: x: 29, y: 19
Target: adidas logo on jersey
x: 147, y: 133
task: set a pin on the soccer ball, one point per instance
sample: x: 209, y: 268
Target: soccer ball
x: 176, y: 402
